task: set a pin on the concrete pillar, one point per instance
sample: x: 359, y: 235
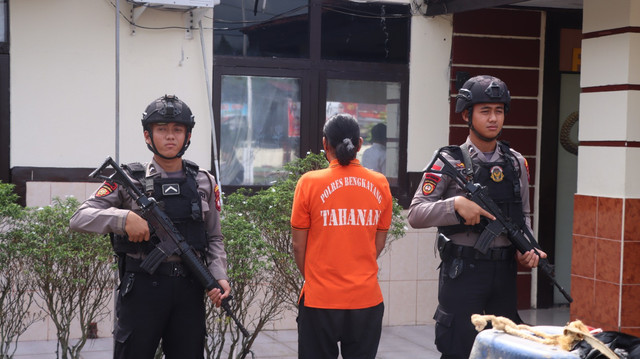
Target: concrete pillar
x: 605, y: 273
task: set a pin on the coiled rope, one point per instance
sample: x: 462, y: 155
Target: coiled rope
x: 565, y: 133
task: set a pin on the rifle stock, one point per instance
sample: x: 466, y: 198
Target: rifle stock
x: 521, y: 238
x: 171, y: 240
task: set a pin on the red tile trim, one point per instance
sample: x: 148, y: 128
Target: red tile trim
x: 610, y: 143
x: 609, y: 32
x: 611, y: 88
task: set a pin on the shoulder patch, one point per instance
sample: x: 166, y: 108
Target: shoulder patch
x: 106, y: 189
x: 216, y: 190
x: 526, y: 165
x: 429, y: 184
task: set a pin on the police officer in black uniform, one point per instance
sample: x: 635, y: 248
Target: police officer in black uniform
x: 471, y: 282
x: 168, y: 304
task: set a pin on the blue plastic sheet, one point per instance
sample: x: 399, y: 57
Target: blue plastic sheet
x: 494, y: 344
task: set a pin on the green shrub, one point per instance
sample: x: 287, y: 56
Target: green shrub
x: 16, y: 296
x: 72, y: 272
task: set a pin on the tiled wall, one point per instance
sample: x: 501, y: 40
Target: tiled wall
x: 409, y: 278
x: 605, y: 272
x: 408, y: 270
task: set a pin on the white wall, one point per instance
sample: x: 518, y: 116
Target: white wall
x: 63, y: 92
x: 609, y: 115
x: 63, y: 82
x: 429, y: 88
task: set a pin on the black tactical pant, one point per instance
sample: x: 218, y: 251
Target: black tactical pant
x: 357, y: 330
x: 154, y: 307
x: 481, y: 287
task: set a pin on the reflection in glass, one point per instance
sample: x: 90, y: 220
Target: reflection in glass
x: 376, y: 105
x: 366, y: 31
x: 262, y: 28
x: 259, y: 128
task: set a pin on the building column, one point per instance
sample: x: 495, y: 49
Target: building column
x: 605, y: 272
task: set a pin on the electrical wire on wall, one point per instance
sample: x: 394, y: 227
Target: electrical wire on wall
x: 206, y: 72
x: 328, y: 7
x: 355, y: 10
x: 216, y: 164
x: 117, y: 82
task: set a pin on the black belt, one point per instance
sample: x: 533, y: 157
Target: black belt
x: 171, y: 269
x: 493, y: 254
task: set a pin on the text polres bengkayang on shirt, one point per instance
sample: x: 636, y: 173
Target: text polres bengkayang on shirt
x: 350, y: 181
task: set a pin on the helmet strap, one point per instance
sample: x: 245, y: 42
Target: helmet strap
x: 185, y: 145
x: 481, y: 137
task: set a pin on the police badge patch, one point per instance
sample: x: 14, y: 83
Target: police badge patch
x: 428, y: 187
x: 430, y: 183
x: 496, y: 174
x: 106, y: 189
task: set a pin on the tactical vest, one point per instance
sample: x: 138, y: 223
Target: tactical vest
x: 178, y: 198
x: 502, y: 179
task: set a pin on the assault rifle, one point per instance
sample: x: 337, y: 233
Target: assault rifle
x: 520, y: 236
x: 171, y: 240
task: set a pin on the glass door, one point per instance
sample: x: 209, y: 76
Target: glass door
x: 376, y: 106
x: 259, y: 128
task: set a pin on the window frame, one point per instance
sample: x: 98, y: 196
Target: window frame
x: 314, y: 73
x: 5, y: 116
x: 380, y: 74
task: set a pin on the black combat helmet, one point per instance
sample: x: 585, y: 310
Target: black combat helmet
x: 483, y: 89
x: 166, y: 109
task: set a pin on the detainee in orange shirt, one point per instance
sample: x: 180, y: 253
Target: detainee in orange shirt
x: 339, y: 221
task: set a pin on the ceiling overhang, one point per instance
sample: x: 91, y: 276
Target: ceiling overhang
x: 440, y: 7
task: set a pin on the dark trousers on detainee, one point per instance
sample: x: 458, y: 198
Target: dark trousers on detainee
x: 357, y: 330
x: 481, y: 287
x: 154, y: 307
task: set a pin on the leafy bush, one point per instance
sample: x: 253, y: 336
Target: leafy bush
x: 252, y: 281
x: 71, y: 272
x: 16, y: 296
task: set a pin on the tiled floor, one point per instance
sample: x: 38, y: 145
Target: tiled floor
x: 398, y: 342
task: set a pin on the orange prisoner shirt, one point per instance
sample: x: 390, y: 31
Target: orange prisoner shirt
x: 342, y: 207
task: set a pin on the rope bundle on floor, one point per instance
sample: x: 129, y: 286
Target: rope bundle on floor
x: 573, y: 332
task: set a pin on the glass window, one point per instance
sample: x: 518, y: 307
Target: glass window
x: 376, y: 105
x: 3, y: 21
x: 262, y: 28
x: 259, y: 128
x: 368, y: 32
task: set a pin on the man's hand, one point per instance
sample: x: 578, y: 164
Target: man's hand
x: 530, y: 259
x: 136, y: 227
x: 214, y: 294
x: 470, y: 211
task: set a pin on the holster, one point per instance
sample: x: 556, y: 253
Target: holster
x: 443, y: 244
